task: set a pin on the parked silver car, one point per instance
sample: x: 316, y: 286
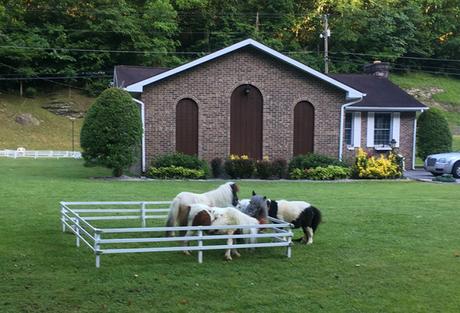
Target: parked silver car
x: 443, y: 163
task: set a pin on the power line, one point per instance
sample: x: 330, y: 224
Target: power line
x: 102, y: 50
x: 49, y: 80
x: 397, y: 57
x: 55, y: 77
x: 206, y: 52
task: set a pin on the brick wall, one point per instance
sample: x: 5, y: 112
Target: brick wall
x: 211, y: 85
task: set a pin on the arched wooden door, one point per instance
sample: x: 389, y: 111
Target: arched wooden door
x: 304, y: 125
x: 246, y: 109
x: 187, y: 127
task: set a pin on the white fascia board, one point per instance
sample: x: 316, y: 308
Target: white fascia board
x: 351, y: 93
x: 387, y: 109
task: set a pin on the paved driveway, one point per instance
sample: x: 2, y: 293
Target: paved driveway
x: 422, y: 175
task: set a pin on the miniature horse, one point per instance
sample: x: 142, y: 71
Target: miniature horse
x: 299, y: 213
x: 225, y: 195
x: 255, y: 207
x: 214, y: 216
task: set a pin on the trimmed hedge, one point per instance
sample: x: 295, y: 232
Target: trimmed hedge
x: 330, y: 172
x: 313, y: 160
x: 181, y: 160
x: 433, y: 134
x: 177, y: 172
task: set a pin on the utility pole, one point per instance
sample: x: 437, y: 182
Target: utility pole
x: 325, y: 35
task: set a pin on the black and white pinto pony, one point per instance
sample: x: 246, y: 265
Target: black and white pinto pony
x: 224, y: 196
x: 203, y: 215
x: 299, y: 213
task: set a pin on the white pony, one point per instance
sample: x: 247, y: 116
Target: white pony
x: 214, y: 216
x: 225, y: 195
x: 232, y: 216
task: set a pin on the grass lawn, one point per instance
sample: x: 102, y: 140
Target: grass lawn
x: 383, y: 247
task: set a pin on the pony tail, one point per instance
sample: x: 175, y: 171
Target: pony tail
x: 317, y: 218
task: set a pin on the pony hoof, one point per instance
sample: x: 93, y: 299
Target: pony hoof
x: 228, y: 258
x: 236, y: 254
x: 187, y: 253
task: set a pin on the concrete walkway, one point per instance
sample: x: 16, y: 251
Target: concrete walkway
x: 421, y: 175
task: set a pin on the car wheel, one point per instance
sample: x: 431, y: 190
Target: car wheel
x: 456, y: 170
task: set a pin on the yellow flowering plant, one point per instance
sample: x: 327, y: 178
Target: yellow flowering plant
x: 376, y: 167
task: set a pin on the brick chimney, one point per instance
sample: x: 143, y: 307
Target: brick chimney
x: 378, y: 68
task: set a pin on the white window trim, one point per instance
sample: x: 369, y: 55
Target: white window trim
x: 395, y: 130
x: 356, y: 130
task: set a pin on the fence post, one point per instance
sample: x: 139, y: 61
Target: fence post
x: 143, y: 224
x: 289, y: 240
x: 200, y: 244
x: 97, y: 237
x: 77, y: 230
x: 63, y: 219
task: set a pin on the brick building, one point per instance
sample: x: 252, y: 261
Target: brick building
x: 250, y: 99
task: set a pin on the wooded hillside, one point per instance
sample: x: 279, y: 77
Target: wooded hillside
x: 79, y: 40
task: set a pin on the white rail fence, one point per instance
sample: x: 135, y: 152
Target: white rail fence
x: 36, y: 154
x: 80, y: 218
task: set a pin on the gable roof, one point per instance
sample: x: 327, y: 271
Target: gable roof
x: 351, y: 93
x: 381, y: 94
x: 125, y: 75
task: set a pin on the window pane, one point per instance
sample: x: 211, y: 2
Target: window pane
x: 382, y: 128
x: 348, y: 128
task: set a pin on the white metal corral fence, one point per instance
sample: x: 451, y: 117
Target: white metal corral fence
x: 81, y: 218
x: 36, y: 154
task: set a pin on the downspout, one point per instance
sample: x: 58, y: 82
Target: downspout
x: 143, y: 133
x: 414, y: 140
x: 342, y: 114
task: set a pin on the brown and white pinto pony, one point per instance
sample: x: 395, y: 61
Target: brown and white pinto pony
x: 223, y: 196
x: 299, y: 213
x: 202, y: 215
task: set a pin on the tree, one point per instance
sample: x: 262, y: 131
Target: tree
x: 433, y: 134
x: 111, y: 132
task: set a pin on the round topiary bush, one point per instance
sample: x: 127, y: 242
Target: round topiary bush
x: 433, y: 134
x: 112, y: 131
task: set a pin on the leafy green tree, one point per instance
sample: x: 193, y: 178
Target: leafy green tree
x: 111, y: 132
x: 433, y: 134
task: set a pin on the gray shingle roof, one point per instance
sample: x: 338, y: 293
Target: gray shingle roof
x: 125, y: 75
x: 380, y: 92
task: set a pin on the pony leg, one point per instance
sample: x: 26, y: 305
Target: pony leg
x: 187, y: 243
x: 310, y: 235
x: 304, y: 239
x: 228, y: 253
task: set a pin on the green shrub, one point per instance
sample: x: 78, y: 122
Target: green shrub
x: 263, y: 169
x: 177, y: 172
x: 279, y: 167
x: 181, y: 160
x: 239, y: 167
x: 330, y: 172
x: 30, y: 92
x: 216, y: 167
x: 433, y: 134
x: 112, y: 131
x: 313, y: 160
